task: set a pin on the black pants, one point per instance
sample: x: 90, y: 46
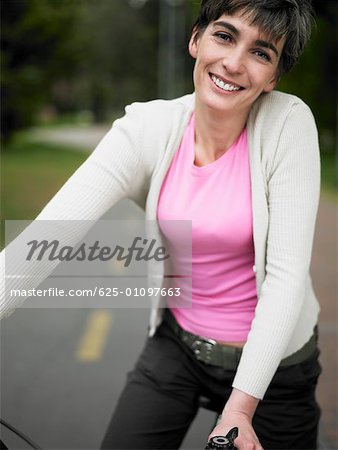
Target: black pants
x: 161, y: 398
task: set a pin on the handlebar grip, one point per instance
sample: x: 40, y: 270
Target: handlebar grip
x: 223, y: 442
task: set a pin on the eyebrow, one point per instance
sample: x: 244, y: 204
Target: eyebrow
x: 236, y: 32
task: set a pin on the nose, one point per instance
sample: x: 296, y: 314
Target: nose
x: 234, y: 61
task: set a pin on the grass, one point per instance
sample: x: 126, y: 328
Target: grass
x: 32, y: 173
x: 329, y: 175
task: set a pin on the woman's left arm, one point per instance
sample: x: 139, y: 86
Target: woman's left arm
x: 294, y: 189
x: 293, y: 198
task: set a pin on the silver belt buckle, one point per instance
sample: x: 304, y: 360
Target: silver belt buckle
x: 202, y: 349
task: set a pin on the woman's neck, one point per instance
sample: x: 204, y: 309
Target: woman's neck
x: 215, y: 134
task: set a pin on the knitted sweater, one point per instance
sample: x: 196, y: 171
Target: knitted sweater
x: 132, y: 161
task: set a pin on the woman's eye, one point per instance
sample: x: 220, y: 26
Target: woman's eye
x: 262, y: 55
x: 223, y: 36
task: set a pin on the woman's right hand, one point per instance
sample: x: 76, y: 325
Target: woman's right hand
x: 247, y: 439
x: 238, y: 412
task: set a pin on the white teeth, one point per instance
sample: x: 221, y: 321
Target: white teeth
x: 224, y: 86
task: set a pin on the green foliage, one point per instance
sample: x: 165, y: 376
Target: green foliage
x: 314, y: 80
x: 121, y: 55
x: 73, y: 55
x: 329, y: 173
x: 37, y: 35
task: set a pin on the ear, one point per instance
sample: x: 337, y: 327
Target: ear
x: 193, y: 44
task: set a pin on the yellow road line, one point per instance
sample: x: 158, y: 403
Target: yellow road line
x: 94, y: 338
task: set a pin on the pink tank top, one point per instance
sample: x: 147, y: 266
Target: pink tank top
x: 217, y: 199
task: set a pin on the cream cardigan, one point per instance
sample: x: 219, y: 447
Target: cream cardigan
x: 132, y: 161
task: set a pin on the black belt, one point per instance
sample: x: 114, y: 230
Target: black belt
x: 211, y: 352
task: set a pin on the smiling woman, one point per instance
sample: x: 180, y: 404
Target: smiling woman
x: 240, y: 161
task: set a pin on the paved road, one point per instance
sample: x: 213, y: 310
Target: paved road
x: 80, y: 138
x: 325, y: 275
x: 61, y: 399
x: 58, y: 400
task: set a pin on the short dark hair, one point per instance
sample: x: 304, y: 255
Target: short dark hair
x: 289, y: 19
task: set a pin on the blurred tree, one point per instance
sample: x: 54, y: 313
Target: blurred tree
x: 100, y: 55
x: 121, y: 62
x: 73, y: 55
x: 314, y: 79
x: 38, y: 47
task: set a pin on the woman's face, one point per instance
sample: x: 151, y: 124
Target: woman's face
x: 235, y: 63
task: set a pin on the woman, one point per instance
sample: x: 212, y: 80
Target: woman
x: 241, y: 161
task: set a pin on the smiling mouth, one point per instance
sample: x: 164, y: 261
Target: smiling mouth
x: 225, y: 86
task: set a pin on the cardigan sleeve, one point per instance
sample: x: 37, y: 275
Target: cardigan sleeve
x: 112, y: 172
x: 109, y: 174
x: 293, y: 198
